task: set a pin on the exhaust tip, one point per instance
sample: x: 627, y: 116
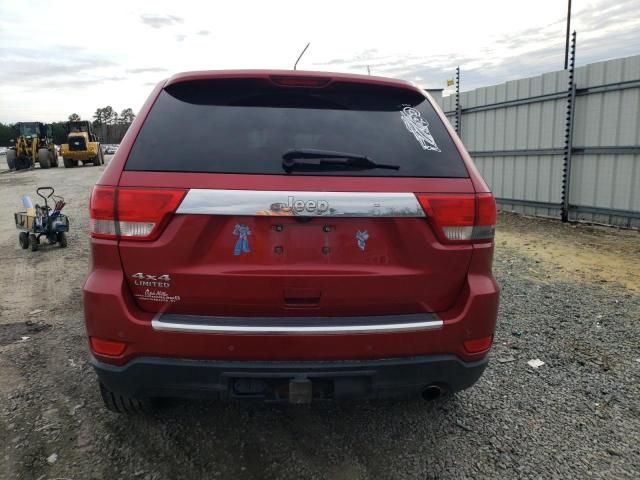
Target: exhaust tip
x: 431, y: 392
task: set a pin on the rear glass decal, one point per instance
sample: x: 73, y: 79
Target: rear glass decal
x: 420, y: 128
x: 242, y: 245
x: 361, y: 238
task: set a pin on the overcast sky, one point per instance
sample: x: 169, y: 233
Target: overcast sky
x: 61, y: 57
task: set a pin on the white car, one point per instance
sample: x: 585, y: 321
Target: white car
x: 3, y: 150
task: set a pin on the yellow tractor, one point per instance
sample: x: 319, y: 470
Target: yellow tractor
x: 82, y: 146
x: 33, y: 145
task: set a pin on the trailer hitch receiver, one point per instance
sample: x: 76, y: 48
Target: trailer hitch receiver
x: 300, y: 391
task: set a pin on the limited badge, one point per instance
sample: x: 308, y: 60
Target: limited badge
x: 242, y: 245
x: 361, y: 238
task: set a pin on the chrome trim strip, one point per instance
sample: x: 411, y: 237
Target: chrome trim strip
x: 295, y: 203
x: 296, y: 330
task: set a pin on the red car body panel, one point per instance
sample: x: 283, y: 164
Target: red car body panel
x: 111, y: 312
x: 423, y: 275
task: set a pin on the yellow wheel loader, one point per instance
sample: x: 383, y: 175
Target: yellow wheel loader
x: 33, y: 145
x: 82, y: 146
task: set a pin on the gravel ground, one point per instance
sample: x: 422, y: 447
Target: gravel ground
x: 577, y: 416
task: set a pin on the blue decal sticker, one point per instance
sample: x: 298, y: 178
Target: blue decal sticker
x: 242, y: 245
x: 362, y: 237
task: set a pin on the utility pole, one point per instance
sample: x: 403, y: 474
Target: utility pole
x: 566, y: 46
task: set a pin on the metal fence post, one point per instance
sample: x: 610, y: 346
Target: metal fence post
x: 458, y: 108
x: 568, y: 135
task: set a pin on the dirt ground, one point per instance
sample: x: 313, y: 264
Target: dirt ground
x: 594, y: 254
x: 571, y: 297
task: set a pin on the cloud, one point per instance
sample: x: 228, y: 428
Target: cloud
x: 72, y: 68
x: 160, y: 21
x: 146, y: 70
x: 608, y: 15
x: 499, y: 41
x: 81, y: 82
x: 529, y: 52
x: 546, y: 58
x: 368, y: 54
x: 41, y: 72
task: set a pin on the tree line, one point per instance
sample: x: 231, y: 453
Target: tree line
x: 108, y: 116
x: 102, y: 117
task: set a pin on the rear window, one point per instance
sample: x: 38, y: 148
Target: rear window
x: 245, y: 126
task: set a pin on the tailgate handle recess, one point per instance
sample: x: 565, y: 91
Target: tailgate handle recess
x: 302, y: 296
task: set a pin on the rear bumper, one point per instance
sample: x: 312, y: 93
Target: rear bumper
x: 146, y: 377
x: 111, y: 313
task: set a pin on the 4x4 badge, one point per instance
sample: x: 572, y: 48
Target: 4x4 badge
x: 361, y: 238
x: 151, y: 280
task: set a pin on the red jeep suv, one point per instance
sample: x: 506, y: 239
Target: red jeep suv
x: 289, y: 235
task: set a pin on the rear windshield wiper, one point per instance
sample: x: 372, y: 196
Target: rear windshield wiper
x: 329, y: 160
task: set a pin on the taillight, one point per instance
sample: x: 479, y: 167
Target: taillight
x: 461, y: 218
x: 101, y: 214
x: 486, y: 215
x: 131, y: 213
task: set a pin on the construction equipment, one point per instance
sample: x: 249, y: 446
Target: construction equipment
x: 82, y: 145
x: 33, y: 145
x: 42, y: 221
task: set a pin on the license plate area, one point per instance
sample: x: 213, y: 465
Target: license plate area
x: 293, y: 390
x: 303, y: 240
x: 297, y: 389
